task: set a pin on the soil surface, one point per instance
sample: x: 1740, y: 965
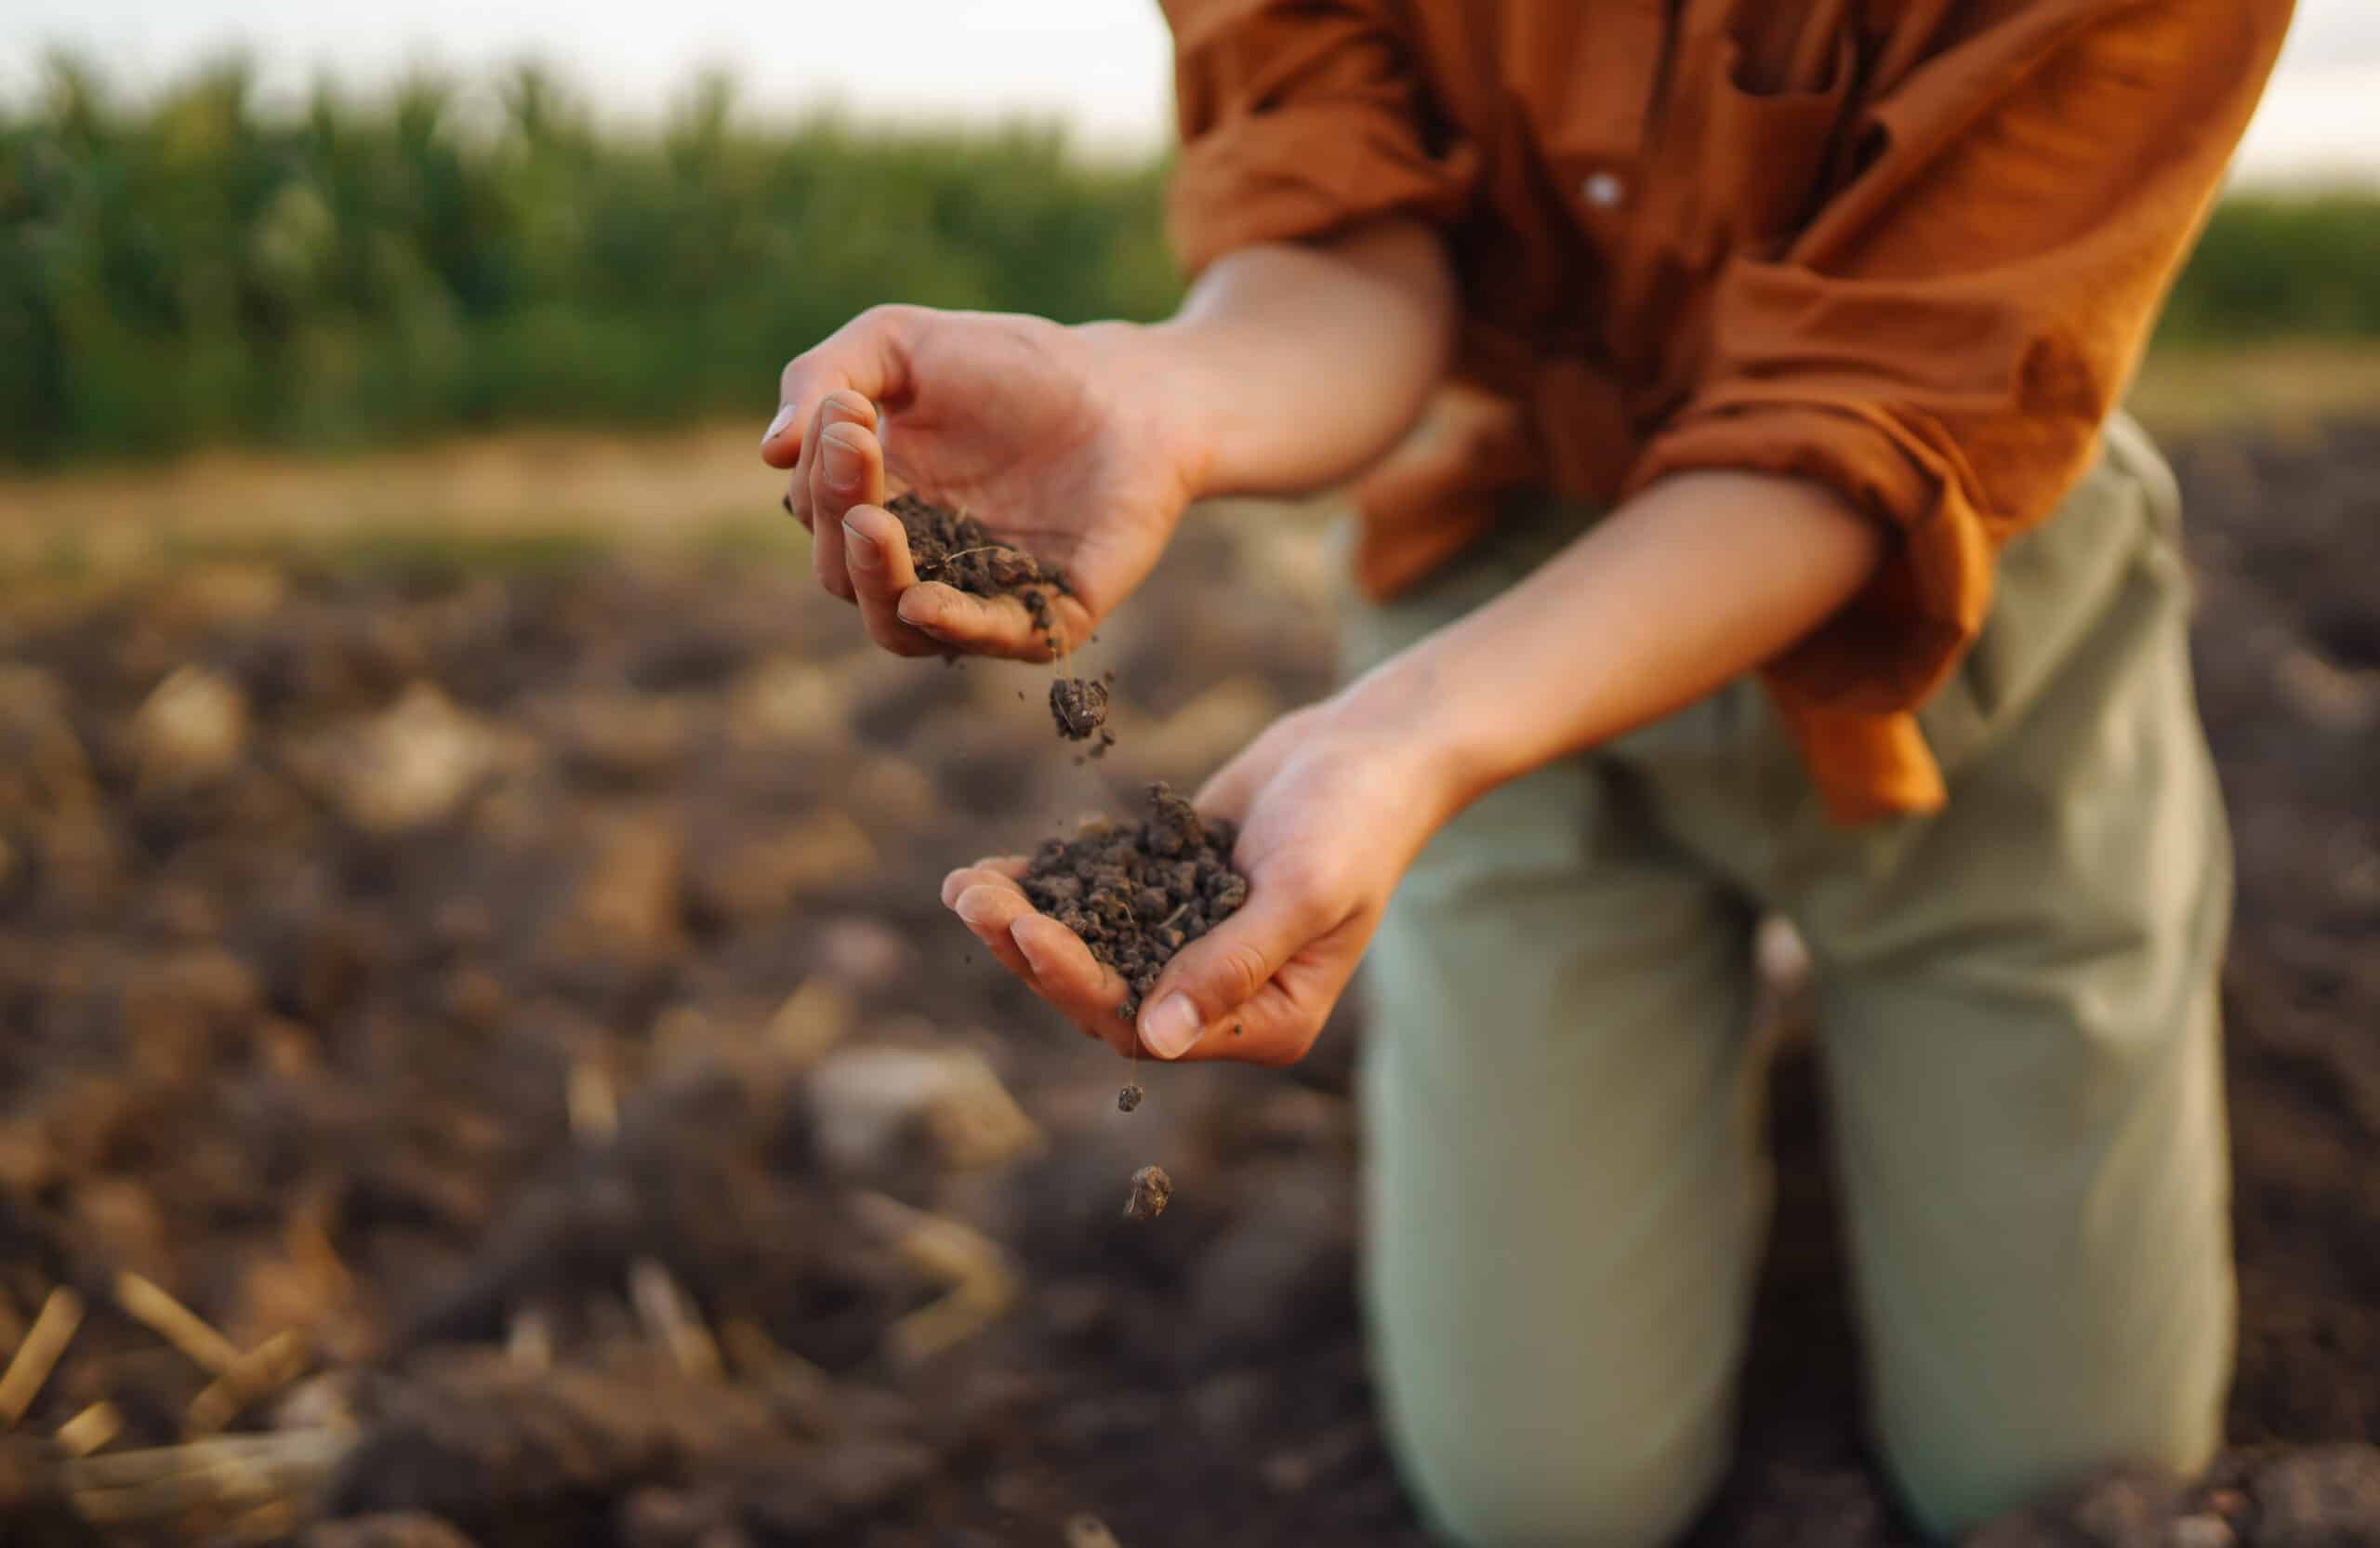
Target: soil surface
x: 1137, y: 892
x: 525, y: 994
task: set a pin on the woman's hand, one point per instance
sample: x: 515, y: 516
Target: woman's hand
x: 1334, y: 803
x: 1290, y: 365
x: 1061, y: 441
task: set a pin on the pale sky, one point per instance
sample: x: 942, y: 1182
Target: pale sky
x: 1100, y: 65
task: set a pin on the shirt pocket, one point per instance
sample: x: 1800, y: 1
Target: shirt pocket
x: 1765, y: 155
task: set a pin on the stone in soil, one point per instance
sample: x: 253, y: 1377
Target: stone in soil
x: 1137, y: 893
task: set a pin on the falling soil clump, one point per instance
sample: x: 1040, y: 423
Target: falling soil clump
x: 1079, y: 704
x: 1139, y: 892
x: 961, y: 551
x: 1130, y: 1097
x: 1152, y: 1190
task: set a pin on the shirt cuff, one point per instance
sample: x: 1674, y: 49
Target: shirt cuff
x: 1888, y: 649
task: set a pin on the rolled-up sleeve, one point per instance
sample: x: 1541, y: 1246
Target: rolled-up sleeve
x: 1298, y: 120
x: 1942, y: 342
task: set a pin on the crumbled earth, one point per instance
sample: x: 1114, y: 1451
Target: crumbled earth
x: 1137, y: 892
x: 529, y: 987
x: 961, y: 551
x: 1079, y: 705
x: 1152, y: 1190
x: 1129, y: 1098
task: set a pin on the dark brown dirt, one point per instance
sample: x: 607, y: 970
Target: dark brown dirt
x: 961, y: 551
x: 1137, y: 892
x: 505, y: 936
x: 1079, y: 705
x: 1152, y: 1190
x: 1129, y: 1098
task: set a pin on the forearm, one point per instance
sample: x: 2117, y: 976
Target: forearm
x: 1699, y: 579
x: 1299, y: 365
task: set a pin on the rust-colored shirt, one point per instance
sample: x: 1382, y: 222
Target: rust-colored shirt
x: 1911, y: 248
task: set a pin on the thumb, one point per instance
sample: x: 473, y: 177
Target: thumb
x: 1215, y: 977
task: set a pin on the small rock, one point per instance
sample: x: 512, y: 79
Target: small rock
x: 193, y: 729
x: 410, y: 766
x: 863, y: 953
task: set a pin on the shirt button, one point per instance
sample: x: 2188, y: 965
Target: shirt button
x: 1603, y: 190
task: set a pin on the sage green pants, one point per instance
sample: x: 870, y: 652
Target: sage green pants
x: 2017, y: 1029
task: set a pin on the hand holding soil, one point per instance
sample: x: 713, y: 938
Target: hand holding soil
x: 1331, y: 813
x: 1051, y: 435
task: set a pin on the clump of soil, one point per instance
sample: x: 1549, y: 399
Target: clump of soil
x: 961, y: 551
x: 1079, y: 704
x: 1152, y: 1190
x: 1139, y: 892
x: 1128, y: 1099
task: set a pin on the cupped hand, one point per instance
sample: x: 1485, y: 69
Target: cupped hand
x: 1063, y: 440
x: 1332, y: 812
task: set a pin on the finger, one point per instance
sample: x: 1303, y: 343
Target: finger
x: 1073, y: 980
x: 1278, y: 1023
x: 1225, y: 969
x: 875, y: 551
x: 993, y: 625
x: 996, y: 870
x: 845, y: 463
x: 988, y: 910
x: 868, y: 356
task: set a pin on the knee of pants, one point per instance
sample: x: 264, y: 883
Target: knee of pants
x: 1953, y: 1481
x: 1485, y: 1494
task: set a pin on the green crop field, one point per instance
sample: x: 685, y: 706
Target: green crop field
x: 187, y: 267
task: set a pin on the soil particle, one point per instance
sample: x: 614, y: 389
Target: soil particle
x: 1152, y: 1190
x: 1130, y: 1097
x: 1139, y: 892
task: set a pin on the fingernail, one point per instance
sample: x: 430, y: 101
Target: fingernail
x: 784, y: 417
x: 915, y: 608
x: 861, y: 549
x: 839, y: 462
x: 978, y: 911
x: 1171, y: 1028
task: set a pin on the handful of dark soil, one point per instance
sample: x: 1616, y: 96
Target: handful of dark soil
x: 1139, y: 892
x: 961, y: 551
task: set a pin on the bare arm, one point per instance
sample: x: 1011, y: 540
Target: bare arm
x: 1301, y: 364
x: 1698, y: 580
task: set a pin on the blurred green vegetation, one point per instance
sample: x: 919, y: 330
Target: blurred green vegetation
x: 190, y: 269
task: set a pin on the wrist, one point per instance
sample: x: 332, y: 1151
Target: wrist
x: 1407, y: 713
x: 1157, y: 369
